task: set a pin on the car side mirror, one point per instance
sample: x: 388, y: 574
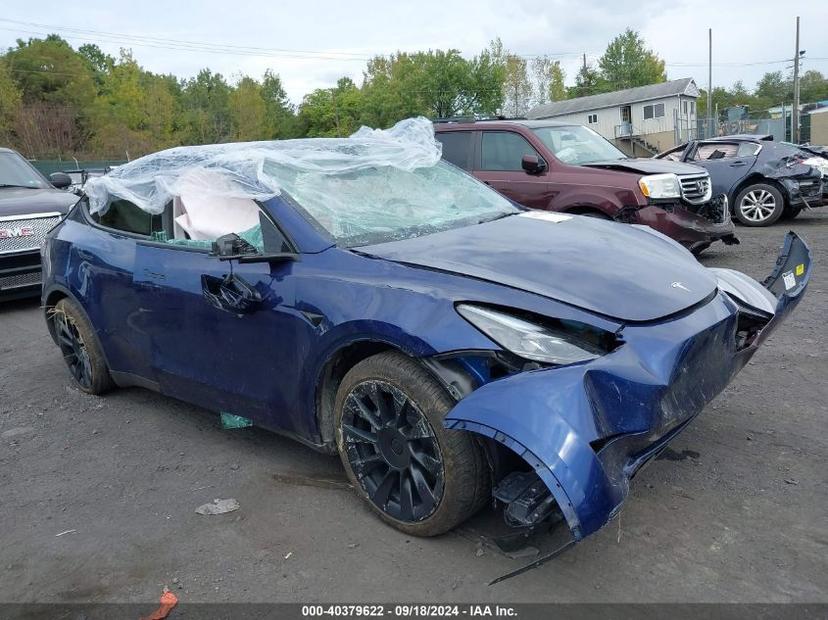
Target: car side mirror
x: 532, y: 164
x: 60, y: 180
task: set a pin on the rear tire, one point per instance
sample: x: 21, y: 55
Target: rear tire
x: 759, y: 205
x: 416, y: 475
x: 80, y: 348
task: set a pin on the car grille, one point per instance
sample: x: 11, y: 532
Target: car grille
x: 695, y: 188
x: 19, y: 233
x: 19, y: 280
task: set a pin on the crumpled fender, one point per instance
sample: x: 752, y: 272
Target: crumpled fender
x: 646, y: 389
x: 633, y: 400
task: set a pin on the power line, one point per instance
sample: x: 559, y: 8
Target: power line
x: 100, y: 36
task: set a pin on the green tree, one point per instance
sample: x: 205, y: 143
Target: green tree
x: 279, y: 113
x: 332, y: 112
x: 588, y: 82
x: 205, y: 100
x: 248, y: 111
x: 549, y: 79
x: 10, y: 100
x: 135, y: 112
x: 627, y: 63
x: 99, y: 63
x: 773, y: 88
x: 50, y: 70
x: 517, y: 88
x: 813, y: 87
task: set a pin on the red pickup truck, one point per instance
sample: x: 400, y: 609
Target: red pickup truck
x: 564, y: 167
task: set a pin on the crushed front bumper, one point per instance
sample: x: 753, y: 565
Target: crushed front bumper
x: 587, y: 429
x: 693, y: 227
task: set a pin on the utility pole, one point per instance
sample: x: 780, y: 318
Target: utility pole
x: 795, y: 110
x: 709, y: 83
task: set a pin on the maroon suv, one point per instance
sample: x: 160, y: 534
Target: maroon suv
x: 564, y: 167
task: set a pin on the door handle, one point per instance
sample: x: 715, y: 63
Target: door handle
x: 738, y: 164
x: 230, y: 293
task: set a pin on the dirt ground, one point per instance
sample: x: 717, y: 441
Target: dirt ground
x: 98, y: 495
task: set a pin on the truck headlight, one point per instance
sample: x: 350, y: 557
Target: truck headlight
x: 537, y: 342
x: 659, y: 186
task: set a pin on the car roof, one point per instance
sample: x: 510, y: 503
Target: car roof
x: 468, y: 123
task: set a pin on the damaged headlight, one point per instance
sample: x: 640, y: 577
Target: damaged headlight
x: 531, y: 340
x: 658, y: 186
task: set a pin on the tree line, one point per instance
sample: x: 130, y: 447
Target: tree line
x: 57, y: 101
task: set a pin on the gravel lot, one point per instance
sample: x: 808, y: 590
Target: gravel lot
x: 734, y: 511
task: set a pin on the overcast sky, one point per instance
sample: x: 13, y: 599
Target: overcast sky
x: 311, y: 44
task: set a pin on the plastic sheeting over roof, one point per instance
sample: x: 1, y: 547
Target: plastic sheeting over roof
x: 251, y: 169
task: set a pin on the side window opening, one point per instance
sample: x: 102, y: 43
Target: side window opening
x: 127, y: 217
x: 504, y: 150
x: 715, y: 151
x: 457, y: 147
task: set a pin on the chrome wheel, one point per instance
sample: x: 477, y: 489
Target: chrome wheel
x: 758, y: 205
x: 74, y: 349
x: 392, y: 450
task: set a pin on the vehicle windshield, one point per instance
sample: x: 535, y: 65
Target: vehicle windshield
x: 576, y: 144
x: 16, y: 172
x: 380, y: 204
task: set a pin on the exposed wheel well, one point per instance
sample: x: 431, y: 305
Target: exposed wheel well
x: 335, y: 369
x: 587, y: 210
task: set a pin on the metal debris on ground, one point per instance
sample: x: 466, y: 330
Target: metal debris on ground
x: 218, y: 507
x: 65, y: 532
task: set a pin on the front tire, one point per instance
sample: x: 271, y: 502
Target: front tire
x: 417, y: 476
x: 80, y: 348
x: 759, y: 205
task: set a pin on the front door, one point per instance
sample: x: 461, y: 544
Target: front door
x: 238, y: 361
x: 500, y: 165
x: 626, y: 121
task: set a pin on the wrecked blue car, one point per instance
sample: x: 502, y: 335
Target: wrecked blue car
x: 369, y: 299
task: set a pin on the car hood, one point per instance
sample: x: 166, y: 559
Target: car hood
x: 617, y: 270
x: 647, y: 166
x: 24, y: 200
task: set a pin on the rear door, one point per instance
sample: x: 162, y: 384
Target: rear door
x: 500, y: 165
x: 727, y: 162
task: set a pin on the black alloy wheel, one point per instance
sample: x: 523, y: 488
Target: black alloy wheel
x: 74, y: 349
x: 392, y: 449
x: 80, y: 348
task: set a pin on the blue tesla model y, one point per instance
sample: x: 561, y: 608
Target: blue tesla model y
x: 367, y: 298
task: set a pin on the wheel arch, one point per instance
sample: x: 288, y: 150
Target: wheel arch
x: 755, y: 178
x: 587, y: 210
x: 334, y: 369
x: 49, y: 299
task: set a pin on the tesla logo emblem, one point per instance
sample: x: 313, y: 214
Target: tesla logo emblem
x: 21, y: 231
x: 679, y: 285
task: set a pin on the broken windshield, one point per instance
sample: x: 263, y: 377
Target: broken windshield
x: 576, y: 144
x: 380, y: 204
